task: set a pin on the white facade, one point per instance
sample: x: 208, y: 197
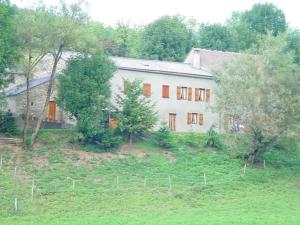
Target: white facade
x: 165, y: 106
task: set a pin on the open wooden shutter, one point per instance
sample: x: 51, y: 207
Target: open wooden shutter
x: 190, y: 93
x: 147, y: 89
x: 52, y: 110
x: 197, y: 94
x: 201, y: 119
x: 189, y: 118
x: 165, y: 91
x: 207, y: 95
x: 178, y: 93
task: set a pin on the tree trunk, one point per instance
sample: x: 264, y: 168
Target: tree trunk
x: 26, y: 119
x: 49, y: 91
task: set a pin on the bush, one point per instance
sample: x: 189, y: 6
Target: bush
x: 163, y: 137
x: 7, y: 123
x: 109, y: 139
x: 213, y: 139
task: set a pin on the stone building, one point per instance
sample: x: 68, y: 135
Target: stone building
x: 183, y: 93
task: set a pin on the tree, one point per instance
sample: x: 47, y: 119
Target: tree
x: 9, y: 51
x: 261, y: 91
x: 135, y: 113
x: 167, y: 38
x: 216, y: 37
x: 293, y: 40
x: 84, y: 92
x: 265, y: 17
x: 65, y: 33
x: 32, y: 28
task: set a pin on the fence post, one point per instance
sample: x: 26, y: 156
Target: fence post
x: 16, y: 204
x: 145, y: 182
x: 264, y: 164
x: 32, y: 189
x: 1, y: 162
x: 170, y: 183
x: 245, y: 167
x: 204, y: 178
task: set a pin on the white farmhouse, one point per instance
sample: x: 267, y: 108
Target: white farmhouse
x: 183, y: 93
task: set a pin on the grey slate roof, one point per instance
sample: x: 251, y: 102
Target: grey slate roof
x: 21, y: 88
x: 122, y: 63
x: 155, y: 66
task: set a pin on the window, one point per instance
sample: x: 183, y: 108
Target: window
x: 202, y: 95
x: 165, y: 91
x: 184, y: 93
x: 172, y: 121
x: 195, y: 118
x: 147, y: 89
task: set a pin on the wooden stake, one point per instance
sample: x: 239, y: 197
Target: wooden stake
x: 170, y: 184
x: 16, y: 204
x: 32, y: 189
x: 204, y: 178
x: 245, y: 168
x: 145, y: 182
x: 264, y: 164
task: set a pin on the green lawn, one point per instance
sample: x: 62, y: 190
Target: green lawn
x: 157, y: 188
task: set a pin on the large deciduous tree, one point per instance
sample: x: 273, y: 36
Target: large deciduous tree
x: 265, y: 17
x: 135, y: 114
x: 84, y: 92
x: 167, y: 38
x: 261, y: 91
x: 9, y: 50
x: 32, y: 28
x: 65, y: 33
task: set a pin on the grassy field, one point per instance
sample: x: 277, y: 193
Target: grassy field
x: 142, y: 184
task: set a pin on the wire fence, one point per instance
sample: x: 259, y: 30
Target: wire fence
x: 28, y: 191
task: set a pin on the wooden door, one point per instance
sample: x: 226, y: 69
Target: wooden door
x: 172, y: 121
x: 52, y: 110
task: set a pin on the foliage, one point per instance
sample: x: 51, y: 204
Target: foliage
x: 263, y: 94
x: 7, y: 123
x: 215, y: 37
x: 163, y: 137
x: 84, y: 92
x: 213, y: 139
x: 9, y: 51
x: 293, y: 44
x: 135, y: 113
x: 167, y: 38
x: 265, y: 17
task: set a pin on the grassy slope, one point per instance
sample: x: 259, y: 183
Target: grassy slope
x: 116, y: 191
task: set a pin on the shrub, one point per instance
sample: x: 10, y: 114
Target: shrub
x: 163, y: 137
x: 213, y: 139
x: 108, y: 139
x: 7, y: 123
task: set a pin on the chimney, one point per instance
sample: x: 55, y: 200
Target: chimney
x: 196, y: 59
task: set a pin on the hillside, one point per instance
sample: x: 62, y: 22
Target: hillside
x: 143, y: 184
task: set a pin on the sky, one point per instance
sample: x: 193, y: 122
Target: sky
x: 142, y: 12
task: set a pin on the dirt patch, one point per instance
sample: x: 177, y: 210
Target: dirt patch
x: 128, y: 149
x: 170, y: 156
